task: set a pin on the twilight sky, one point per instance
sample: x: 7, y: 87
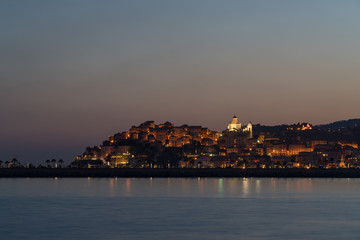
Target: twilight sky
x: 74, y: 72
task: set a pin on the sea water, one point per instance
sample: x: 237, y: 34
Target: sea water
x: 179, y: 208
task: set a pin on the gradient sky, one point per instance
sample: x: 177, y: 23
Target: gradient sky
x: 74, y: 72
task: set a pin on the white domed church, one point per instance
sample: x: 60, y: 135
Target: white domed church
x: 235, y: 126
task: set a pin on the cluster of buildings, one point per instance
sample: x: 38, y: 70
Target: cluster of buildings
x: 144, y: 142
x: 167, y: 146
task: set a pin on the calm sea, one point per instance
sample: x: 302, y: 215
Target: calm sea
x: 204, y: 208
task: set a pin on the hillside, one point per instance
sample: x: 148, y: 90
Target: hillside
x: 340, y: 124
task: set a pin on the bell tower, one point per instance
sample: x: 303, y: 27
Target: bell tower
x: 249, y: 129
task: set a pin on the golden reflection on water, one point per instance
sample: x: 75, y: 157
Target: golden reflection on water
x: 232, y: 186
x: 200, y: 182
x: 111, y: 188
x: 257, y: 186
x: 220, y: 186
x: 304, y: 185
x: 288, y: 186
x: 273, y: 184
x: 299, y: 185
x: 151, y: 182
x: 245, y: 187
x: 128, y: 187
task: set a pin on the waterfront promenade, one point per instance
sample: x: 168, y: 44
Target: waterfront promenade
x: 178, y: 172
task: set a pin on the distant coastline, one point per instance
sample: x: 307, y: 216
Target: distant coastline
x: 179, y: 173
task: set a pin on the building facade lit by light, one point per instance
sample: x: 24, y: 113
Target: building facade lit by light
x: 235, y: 126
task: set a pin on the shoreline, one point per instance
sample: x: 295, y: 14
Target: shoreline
x: 177, y: 173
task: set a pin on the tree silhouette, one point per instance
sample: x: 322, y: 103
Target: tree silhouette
x: 14, y: 162
x: 61, y: 162
x: 53, y: 162
x: 1, y: 162
x: 47, y: 163
x: 7, y: 164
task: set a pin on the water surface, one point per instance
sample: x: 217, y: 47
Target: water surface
x: 184, y: 208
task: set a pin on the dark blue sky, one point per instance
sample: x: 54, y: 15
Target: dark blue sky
x: 74, y: 72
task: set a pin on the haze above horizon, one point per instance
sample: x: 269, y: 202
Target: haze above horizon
x: 74, y: 72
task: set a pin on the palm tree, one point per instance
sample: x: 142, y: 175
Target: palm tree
x: 60, y: 162
x: 53, y: 162
x: 47, y: 163
x: 14, y: 162
x: 7, y: 164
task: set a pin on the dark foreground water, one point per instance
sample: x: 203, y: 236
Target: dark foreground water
x: 212, y: 208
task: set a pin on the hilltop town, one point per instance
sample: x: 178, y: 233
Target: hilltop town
x: 300, y: 145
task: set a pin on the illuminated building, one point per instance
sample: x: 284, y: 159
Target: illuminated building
x: 300, y: 127
x: 295, y: 149
x: 167, y: 134
x: 234, y: 125
x: 148, y: 144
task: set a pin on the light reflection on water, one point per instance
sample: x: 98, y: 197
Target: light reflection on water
x: 220, y: 187
x: 179, y: 208
x: 199, y: 187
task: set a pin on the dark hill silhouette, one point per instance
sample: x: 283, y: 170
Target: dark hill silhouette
x: 351, y: 123
x: 345, y: 130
